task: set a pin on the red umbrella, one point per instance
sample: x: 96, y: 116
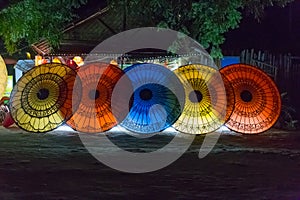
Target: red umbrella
x: 258, y: 102
x: 92, y: 95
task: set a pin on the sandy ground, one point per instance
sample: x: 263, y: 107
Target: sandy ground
x: 57, y: 166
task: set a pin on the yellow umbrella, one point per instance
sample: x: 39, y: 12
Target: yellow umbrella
x: 3, y: 77
x: 205, y: 106
x: 42, y: 98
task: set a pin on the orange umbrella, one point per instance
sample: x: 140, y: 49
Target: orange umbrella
x: 42, y: 98
x: 258, y: 102
x: 92, y: 95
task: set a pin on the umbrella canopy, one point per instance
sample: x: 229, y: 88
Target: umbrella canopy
x: 157, y: 99
x: 42, y: 98
x: 258, y: 101
x: 205, y: 103
x: 93, y: 89
x: 3, y: 77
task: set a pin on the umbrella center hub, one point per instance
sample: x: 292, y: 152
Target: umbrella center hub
x: 246, y: 96
x: 146, y: 94
x: 42, y: 94
x: 94, y: 94
x: 195, y: 96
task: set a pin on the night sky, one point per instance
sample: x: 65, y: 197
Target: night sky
x: 278, y: 32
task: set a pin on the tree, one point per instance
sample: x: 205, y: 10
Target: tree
x: 205, y: 21
x: 28, y: 21
x: 24, y: 22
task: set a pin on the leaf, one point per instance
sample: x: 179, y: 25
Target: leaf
x: 31, y: 20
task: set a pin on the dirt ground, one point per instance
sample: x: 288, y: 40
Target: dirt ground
x: 57, y: 166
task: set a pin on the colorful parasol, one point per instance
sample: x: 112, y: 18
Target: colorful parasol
x: 157, y: 100
x: 205, y: 103
x: 3, y: 76
x: 42, y: 98
x: 258, y: 101
x: 93, y: 90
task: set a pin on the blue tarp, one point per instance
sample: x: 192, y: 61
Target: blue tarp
x: 228, y: 60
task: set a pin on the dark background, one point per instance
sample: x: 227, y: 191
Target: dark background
x: 277, y: 32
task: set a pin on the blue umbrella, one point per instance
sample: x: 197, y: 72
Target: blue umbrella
x: 157, y: 99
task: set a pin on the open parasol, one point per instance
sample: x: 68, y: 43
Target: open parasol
x: 205, y: 103
x: 157, y: 99
x: 3, y: 76
x: 92, y: 94
x: 42, y: 98
x: 258, y: 101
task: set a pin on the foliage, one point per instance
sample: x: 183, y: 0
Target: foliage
x: 29, y: 21
x: 206, y: 20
